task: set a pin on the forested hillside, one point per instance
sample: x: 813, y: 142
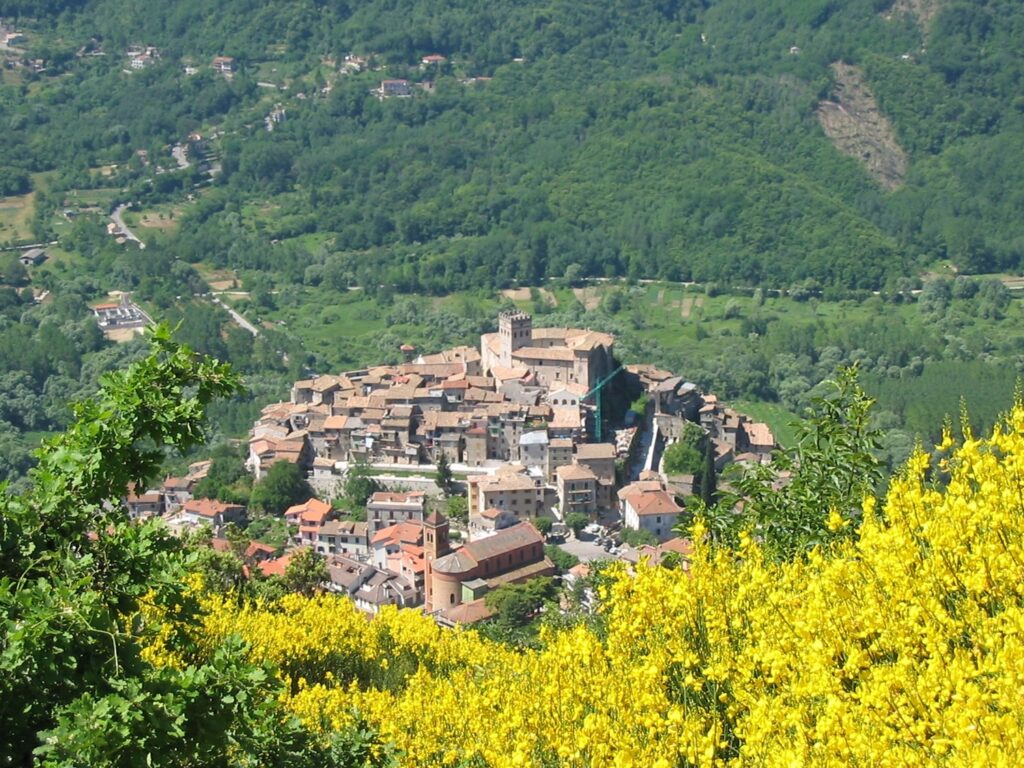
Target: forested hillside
x: 649, y: 139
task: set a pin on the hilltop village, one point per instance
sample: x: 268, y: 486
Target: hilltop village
x: 523, y: 426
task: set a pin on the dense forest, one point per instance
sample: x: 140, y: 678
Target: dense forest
x: 552, y: 144
x: 650, y: 139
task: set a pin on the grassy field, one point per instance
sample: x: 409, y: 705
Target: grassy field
x: 16, y: 217
x: 100, y: 196
x: 775, y: 416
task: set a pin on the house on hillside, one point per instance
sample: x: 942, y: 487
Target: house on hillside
x: 33, y: 257
x: 387, y: 508
x: 646, y: 505
x: 215, y: 514
x: 393, y: 88
x: 310, y: 516
x: 144, y: 505
x: 343, y: 537
x: 369, y: 587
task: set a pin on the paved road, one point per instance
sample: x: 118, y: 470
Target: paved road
x: 122, y: 228
x: 237, y: 317
x: 178, y: 153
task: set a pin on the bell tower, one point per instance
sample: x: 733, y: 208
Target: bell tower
x: 435, y: 545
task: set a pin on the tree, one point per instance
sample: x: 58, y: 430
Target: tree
x: 637, y: 537
x: 70, y: 590
x: 708, y: 479
x: 563, y: 560
x: 237, y: 538
x: 515, y: 604
x: 543, y: 525
x: 832, y: 468
x: 283, y: 486
x: 227, y: 479
x: 457, y: 508
x: 684, y: 457
x: 306, y: 572
x: 83, y: 591
x: 359, y: 484
x: 443, y: 477
x: 576, y: 522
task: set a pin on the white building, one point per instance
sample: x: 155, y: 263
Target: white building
x: 646, y: 505
x: 387, y: 508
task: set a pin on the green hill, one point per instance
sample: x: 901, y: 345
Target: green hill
x: 678, y: 140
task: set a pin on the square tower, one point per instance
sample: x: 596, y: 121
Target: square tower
x: 515, y: 330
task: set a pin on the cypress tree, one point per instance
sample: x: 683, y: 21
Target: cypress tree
x: 707, y: 475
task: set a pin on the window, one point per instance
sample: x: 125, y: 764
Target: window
x: 659, y: 519
x: 451, y: 599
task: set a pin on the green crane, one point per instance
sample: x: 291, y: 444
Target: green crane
x: 596, y: 391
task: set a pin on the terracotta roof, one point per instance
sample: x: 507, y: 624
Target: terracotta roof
x: 654, y: 503
x: 544, y: 353
x: 580, y: 570
x: 177, y: 484
x: 435, y: 519
x: 468, y: 613
x: 565, y: 417
x: 325, y: 383
x: 595, y: 451
x: 575, y: 472
x: 514, y: 537
x: 209, y: 507
x: 459, y: 561
x: 639, y: 487
x: 276, y: 566
x: 760, y: 434
x: 256, y: 547
x: 506, y: 482
x: 408, y: 531
x: 151, y: 497
x: 312, y: 511
x: 350, y: 527
x: 492, y: 342
x: 501, y: 373
x: 571, y: 387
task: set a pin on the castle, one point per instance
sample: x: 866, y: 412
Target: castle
x: 555, y: 356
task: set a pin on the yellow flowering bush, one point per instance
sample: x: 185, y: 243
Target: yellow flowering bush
x: 903, y: 645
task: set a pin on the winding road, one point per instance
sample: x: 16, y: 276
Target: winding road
x: 122, y: 228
